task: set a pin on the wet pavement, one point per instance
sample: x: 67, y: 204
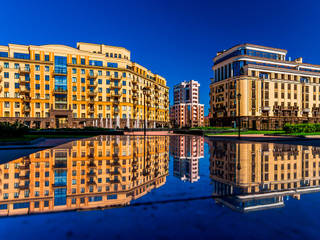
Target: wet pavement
x: 162, y: 187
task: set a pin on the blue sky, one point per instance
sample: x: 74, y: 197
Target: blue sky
x: 176, y: 39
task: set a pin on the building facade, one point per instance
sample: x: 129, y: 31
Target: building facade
x: 186, y: 152
x: 53, y: 86
x: 100, y: 172
x: 257, y: 176
x: 264, y: 87
x: 187, y: 110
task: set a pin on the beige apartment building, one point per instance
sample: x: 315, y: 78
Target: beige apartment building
x: 100, y: 172
x: 53, y: 86
x: 187, y: 110
x: 264, y: 87
x: 256, y: 176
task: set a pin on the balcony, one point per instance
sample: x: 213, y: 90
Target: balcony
x: 25, y: 177
x: 23, y: 187
x: 24, y: 90
x: 115, y: 173
x: 60, y: 72
x: 92, y: 94
x: 113, y: 77
x: 91, y: 164
x: 92, y: 85
x: 265, y: 109
x: 114, y: 86
x: 91, y: 182
x: 26, y: 98
x: 91, y: 174
x: 26, y: 109
x: 115, y: 94
x: 23, y: 71
x: 60, y: 91
x: 92, y: 76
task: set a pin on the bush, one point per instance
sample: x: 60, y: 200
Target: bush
x: 302, y: 128
x: 16, y: 129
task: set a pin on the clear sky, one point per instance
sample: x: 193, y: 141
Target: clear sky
x: 176, y: 39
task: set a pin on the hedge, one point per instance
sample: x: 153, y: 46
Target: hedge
x: 12, y: 129
x: 302, y: 128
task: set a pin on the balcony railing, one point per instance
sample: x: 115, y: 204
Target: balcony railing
x: 24, y: 70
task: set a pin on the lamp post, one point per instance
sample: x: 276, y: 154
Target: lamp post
x: 144, y: 110
x: 239, y: 96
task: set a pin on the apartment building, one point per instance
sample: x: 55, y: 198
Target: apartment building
x: 186, y: 152
x: 187, y: 110
x: 104, y: 172
x: 264, y: 87
x: 53, y: 86
x: 256, y: 176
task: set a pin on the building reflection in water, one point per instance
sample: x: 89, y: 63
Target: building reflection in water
x: 256, y: 176
x: 100, y: 172
x: 186, y: 152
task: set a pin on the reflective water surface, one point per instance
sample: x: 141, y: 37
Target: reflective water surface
x: 182, y: 181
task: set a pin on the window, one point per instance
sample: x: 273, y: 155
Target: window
x: 113, y: 65
x: 47, y: 87
x: 37, y: 76
x: 46, y: 68
x: 21, y: 55
x: 6, y: 75
x: 16, y: 76
x: 108, y: 73
x: 37, y: 57
x: 74, y: 79
x: 83, y: 80
x: 74, y: 70
x: 83, y: 61
x: 46, y: 58
x: 16, y: 66
x: 83, y: 71
x: 74, y: 60
x: 37, y: 86
x: 124, y: 74
x: 46, y: 77
x: 6, y: 65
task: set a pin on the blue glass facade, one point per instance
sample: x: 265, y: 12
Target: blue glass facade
x: 95, y: 63
x: 243, y: 51
x: 3, y: 54
x: 113, y: 65
x: 21, y: 55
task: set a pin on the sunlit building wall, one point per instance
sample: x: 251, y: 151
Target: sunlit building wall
x: 52, y: 86
x: 264, y: 87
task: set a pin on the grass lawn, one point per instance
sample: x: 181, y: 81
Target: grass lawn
x: 247, y: 132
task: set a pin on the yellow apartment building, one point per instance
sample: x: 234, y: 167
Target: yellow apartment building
x: 53, y: 86
x: 264, y: 87
x: 100, y: 172
x: 254, y: 176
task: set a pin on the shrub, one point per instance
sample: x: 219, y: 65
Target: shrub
x: 302, y: 128
x: 12, y: 129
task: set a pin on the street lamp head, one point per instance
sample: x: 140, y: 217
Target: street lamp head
x: 239, y: 95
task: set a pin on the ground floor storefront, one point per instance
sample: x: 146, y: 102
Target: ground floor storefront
x: 64, y: 119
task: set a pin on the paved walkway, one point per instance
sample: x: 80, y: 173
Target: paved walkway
x: 149, y: 133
